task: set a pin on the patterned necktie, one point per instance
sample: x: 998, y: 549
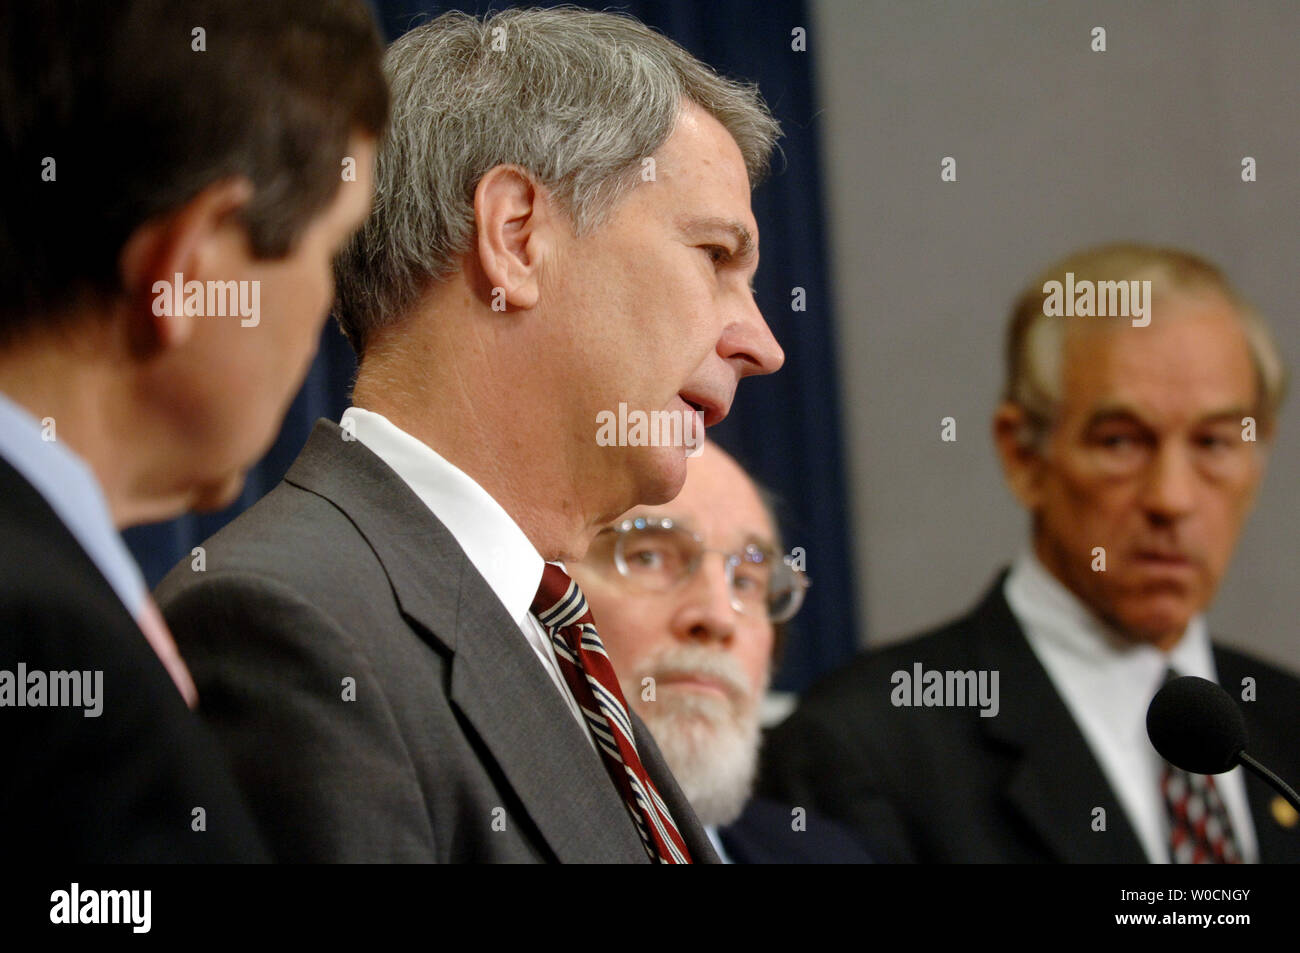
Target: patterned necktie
x: 155, y: 630
x: 562, y: 609
x: 1199, y: 829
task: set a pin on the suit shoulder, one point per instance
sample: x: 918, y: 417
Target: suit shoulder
x: 291, y: 539
x: 58, y: 605
x: 765, y: 833
x: 1269, y: 707
x: 1237, y: 663
x: 1275, y: 691
x: 946, y: 646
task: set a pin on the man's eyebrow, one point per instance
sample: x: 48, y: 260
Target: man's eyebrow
x: 1115, y: 413
x: 1230, y: 415
x: 1124, y: 413
x: 746, y: 246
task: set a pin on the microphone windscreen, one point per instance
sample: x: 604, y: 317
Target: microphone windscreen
x: 1196, y: 726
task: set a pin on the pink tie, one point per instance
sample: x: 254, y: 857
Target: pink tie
x: 160, y: 637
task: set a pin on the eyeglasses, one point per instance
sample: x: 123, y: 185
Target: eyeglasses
x: 658, y: 555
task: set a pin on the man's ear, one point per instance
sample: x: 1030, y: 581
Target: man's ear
x: 510, y: 212
x: 1022, y: 459
x: 200, y: 240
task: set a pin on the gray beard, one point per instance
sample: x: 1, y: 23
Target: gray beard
x: 713, y: 753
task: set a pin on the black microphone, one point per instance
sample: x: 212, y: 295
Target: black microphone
x: 1195, y: 725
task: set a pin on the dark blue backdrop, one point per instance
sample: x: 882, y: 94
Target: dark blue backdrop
x: 786, y: 427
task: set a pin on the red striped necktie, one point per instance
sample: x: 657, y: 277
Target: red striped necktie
x: 562, y: 609
x: 1200, y: 831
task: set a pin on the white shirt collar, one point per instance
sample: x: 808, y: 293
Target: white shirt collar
x: 491, y: 539
x: 1057, y: 616
x: 711, y: 831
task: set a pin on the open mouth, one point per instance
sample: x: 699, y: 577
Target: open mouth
x: 711, y: 413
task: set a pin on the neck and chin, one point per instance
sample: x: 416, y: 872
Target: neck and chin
x: 506, y: 427
x: 1164, y: 634
x: 138, y: 448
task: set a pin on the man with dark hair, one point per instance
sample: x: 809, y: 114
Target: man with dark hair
x: 181, y: 175
x: 562, y: 233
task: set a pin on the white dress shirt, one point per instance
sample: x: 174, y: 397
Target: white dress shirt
x: 1107, y: 684
x: 711, y: 830
x: 491, y: 539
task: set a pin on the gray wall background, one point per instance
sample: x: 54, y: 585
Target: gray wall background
x: 1057, y: 147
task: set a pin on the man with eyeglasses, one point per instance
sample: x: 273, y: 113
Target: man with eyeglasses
x: 689, y: 598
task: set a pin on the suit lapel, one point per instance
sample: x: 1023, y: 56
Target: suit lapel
x: 1277, y: 842
x: 501, y: 688
x: 497, y: 682
x: 1056, y: 782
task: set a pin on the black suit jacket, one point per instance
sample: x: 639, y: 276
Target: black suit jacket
x: 946, y: 785
x: 765, y: 834
x: 121, y: 786
x: 377, y: 700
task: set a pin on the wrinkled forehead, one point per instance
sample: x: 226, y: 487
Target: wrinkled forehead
x: 700, y: 169
x: 1192, y: 359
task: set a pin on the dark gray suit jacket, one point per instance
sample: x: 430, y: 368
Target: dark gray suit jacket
x: 377, y: 700
x: 944, y: 785
x: 120, y: 787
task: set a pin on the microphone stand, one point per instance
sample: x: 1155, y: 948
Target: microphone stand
x: 1271, y: 779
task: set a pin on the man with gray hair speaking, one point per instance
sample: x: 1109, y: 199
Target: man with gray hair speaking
x: 386, y: 643
x: 1136, y: 441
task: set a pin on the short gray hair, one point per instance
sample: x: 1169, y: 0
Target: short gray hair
x: 575, y: 97
x: 1035, y: 341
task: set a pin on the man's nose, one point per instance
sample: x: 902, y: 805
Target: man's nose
x: 749, y: 342
x: 1169, y: 487
x: 706, y: 613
